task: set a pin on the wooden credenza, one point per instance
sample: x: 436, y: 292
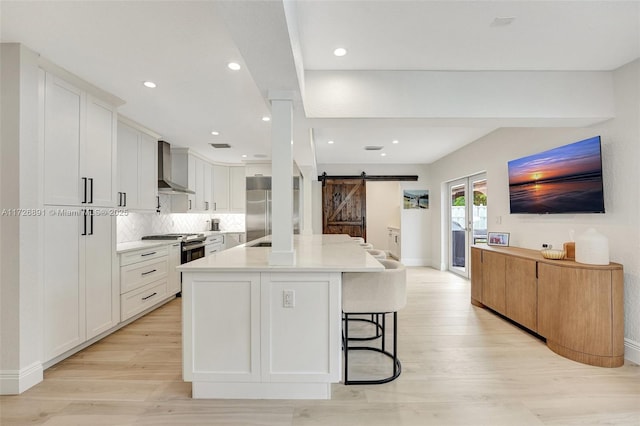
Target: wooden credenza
x: 577, y: 308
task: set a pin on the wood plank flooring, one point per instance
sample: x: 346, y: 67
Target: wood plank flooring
x: 462, y: 365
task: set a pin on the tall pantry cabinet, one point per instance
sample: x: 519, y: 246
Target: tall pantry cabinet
x: 78, y: 136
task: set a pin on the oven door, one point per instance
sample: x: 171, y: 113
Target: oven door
x: 192, y: 252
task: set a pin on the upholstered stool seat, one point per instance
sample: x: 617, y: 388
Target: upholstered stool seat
x: 378, y: 254
x: 366, y: 246
x: 358, y: 239
x: 374, y: 293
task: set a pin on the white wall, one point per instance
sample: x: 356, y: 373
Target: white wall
x: 415, y: 231
x: 383, y: 209
x: 620, y: 151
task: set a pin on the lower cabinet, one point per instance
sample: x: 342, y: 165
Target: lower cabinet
x: 81, y: 297
x: 174, y: 284
x: 233, y: 239
x: 144, y: 276
x: 577, y: 308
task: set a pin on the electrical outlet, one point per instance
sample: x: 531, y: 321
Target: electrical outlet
x: 288, y: 299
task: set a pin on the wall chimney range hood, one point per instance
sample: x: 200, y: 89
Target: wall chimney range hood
x: 165, y: 184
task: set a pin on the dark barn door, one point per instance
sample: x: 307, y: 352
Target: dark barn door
x: 344, y: 207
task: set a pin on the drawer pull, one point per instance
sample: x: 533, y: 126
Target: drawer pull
x: 150, y: 296
x: 148, y: 254
x: 148, y: 272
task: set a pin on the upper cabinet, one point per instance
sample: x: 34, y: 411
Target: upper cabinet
x: 237, y: 189
x: 79, y: 133
x: 218, y: 188
x: 137, y: 167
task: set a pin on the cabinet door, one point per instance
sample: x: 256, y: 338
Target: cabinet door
x: 521, y: 291
x: 127, y: 166
x: 102, y: 293
x: 192, y: 199
x: 64, y: 315
x: 493, y: 281
x: 476, y: 274
x: 575, y: 308
x: 62, y: 135
x: 97, y: 153
x: 198, y: 204
x: 147, y: 172
x: 237, y: 189
x: 207, y: 187
x: 173, y: 282
x: 220, y: 188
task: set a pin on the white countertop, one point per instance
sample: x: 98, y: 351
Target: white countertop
x: 314, y: 253
x: 142, y: 244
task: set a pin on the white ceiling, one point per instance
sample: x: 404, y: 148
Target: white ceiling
x: 184, y: 47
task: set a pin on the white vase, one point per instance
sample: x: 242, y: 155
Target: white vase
x: 592, y: 248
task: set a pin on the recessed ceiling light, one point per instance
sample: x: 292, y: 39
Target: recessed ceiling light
x: 340, y: 51
x: 215, y: 133
x: 383, y: 155
x: 234, y: 66
x: 244, y: 155
x: 395, y: 141
x: 329, y: 142
x: 149, y: 84
x: 265, y: 118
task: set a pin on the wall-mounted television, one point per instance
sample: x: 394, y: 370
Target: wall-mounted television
x: 567, y: 179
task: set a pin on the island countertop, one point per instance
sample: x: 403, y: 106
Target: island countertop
x: 314, y: 253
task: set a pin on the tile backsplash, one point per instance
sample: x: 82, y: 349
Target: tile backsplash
x: 137, y: 224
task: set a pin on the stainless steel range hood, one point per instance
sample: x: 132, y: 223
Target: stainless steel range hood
x: 165, y: 184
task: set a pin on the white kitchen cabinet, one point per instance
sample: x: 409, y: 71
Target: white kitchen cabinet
x: 137, y: 168
x: 214, y: 243
x: 233, y: 239
x: 80, y: 290
x: 144, y: 277
x: 79, y: 134
x: 207, y: 187
x: 237, y: 189
x: 220, y: 188
x: 394, y: 242
x: 173, y: 283
x: 183, y: 172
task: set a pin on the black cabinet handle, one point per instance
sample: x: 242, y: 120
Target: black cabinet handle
x: 119, y: 199
x: 84, y: 181
x: 84, y: 227
x: 189, y: 205
x: 91, y: 221
x: 150, y: 296
x: 125, y: 200
x: 206, y: 205
x: 148, y: 272
x: 91, y: 192
x: 148, y: 254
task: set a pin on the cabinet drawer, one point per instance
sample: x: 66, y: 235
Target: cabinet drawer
x: 138, y: 300
x: 142, y: 255
x: 139, y: 274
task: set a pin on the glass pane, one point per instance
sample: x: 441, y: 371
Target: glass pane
x: 479, y: 211
x: 458, y: 224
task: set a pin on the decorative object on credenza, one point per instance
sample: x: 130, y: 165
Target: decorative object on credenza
x: 554, y: 254
x: 415, y: 199
x: 498, y: 239
x: 592, y: 248
x: 570, y: 250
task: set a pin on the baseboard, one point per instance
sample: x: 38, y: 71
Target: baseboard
x: 632, y: 351
x: 14, y: 382
x: 415, y: 262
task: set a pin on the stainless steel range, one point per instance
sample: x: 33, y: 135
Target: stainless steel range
x: 192, y: 245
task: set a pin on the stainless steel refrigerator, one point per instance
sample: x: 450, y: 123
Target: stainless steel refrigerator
x: 258, y: 213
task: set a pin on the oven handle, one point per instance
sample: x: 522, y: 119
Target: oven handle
x: 193, y: 246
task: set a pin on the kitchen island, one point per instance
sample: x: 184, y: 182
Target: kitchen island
x: 253, y: 330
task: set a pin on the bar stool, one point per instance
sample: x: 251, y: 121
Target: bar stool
x: 358, y: 239
x: 374, y: 293
x: 378, y: 254
x: 366, y: 246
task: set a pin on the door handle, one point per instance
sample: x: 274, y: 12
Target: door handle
x: 125, y: 200
x: 91, y: 190
x: 84, y: 181
x: 91, y: 221
x: 84, y: 218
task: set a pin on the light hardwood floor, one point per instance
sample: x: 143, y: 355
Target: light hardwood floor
x: 462, y: 365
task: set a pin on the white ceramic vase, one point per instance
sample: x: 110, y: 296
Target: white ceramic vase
x: 592, y: 248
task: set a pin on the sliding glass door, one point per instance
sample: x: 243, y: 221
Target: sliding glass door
x: 467, y: 219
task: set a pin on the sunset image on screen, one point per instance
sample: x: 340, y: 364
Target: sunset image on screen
x: 562, y: 180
